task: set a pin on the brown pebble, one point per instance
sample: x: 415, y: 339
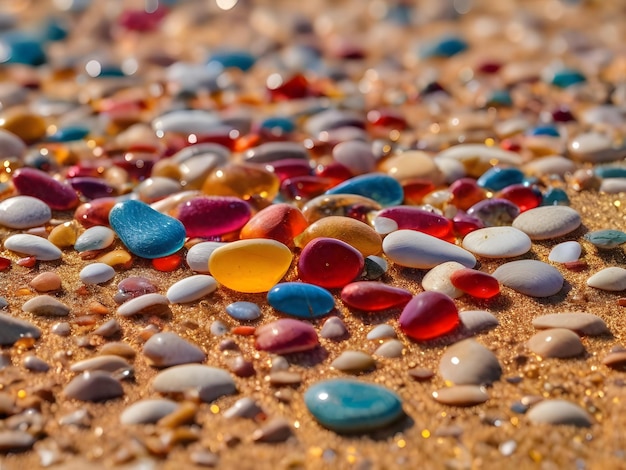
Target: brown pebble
x: 621, y: 302
x: 108, y: 328
x: 35, y: 364
x: 46, y: 282
x: 615, y: 360
x: 284, y: 395
x: 180, y: 435
x: 228, y: 345
x: 283, y: 377
x: 118, y: 348
x: 241, y: 367
x: 556, y: 342
x: 421, y: 374
x: 97, y: 308
x: 61, y: 328
x: 461, y: 395
x: 184, y: 414
x: 276, y: 430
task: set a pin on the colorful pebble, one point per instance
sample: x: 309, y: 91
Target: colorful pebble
x: 300, y: 299
x: 428, y: 316
x: 330, y: 263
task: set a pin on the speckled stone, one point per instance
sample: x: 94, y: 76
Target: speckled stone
x: 548, y: 222
x: 33, y: 245
x: 209, y: 382
x: 20, y: 212
x: 559, y: 412
x: 530, y: 277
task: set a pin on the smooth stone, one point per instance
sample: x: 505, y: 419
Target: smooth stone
x: 333, y: 328
x: 46, y: 282
x: 171, y: 202
x: 606, y: 239
x: 191, y: 288
x: 245, y: 407
x: 355, y: 155
x: 437, y: 279
x: 275, y: 151
x: 92, y: 188
x: 301, y: 299
x: 286, y: 336
x: 483, y: 155
x: 351, y: 231
x: 105, y: 362
x: 469, y: 363
x: 329, y: 263
x: 168, y: 349
x: 187, y: 121
x: 243, y: 311
x: 556, y: 342
x: 330, y: 119
x: 156, y: 188
x: 413, y: 165
x: 98, y: 237
x: 20, y: 212
x: 213, y: 216
x: 32, y: 245
x: 118, y: 348
x: 353, y: 362
x: 580, y: 322
x: 391, y: 349
x: 461, y: 395
x: 11, y: 145
x: 209, y: 382
x: 276, y: 430
x: 199, y: 254
x: 613, y: 186
x: 374, y: 296
x: 146, y: 232
x: 96, y: 273
x: 475, y: 321
x: 550, y: 165
x: 382, y: 331
x: 56, y: 194
x: 428, y: 316
x: 565, y: 252
x: 13, y: 329
x: 46, y: 305
x: 35, y: 364
x: 12, y: 441
x: 559, y: 412
x: 593, y: 147
x: 108, y: 329
x: 421, y: 251
x: 530, y: 277
x: 494, y: 212
x: 132, y: 287
x: 611, y: 279
x: 497, y: 178
x: 379, y: 187
x: 94, y: 386
x: 548, y: 222
x: 147, y: 303
x: 615, y: 359
x: 497, y: 242
x: 218, y: 328
x: 250, y: 266
x: 148, y: 411
x: 350, y: 406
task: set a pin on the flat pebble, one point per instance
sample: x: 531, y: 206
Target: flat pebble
x: 475, y: 321
x: 559, y: 412
x: 199, y: 254
x: 391, y: 348
x: 118, y: 348
x: 168, y: 349
x: 379, y: 187
x: 565, y: 252
x: 461, y: 395
x: 146, y: 304
x: 209, y: 382
x: 497, y: 242
x: 611, y: 279
x: 286, y: 336
x: 12, y: 329
x: 191, y: 288
x: 437, y: 279
x: 374, y: 296
x: 45, y: 305
x: 46, y: 282
x: 148, y: 411
x: 333, y: 328
x: 245, y: 407
x: 243, y: 311
x: 16, y: 441
x: 469, y: 363
x: 383, y: 331
x: 98, y: 237
x: 556, y: 342
x: 301, y: 300
x: 580, y: 322
x: 96, y: 273
x: 548, y: 222
x: 353, y: 362
x: 594, y: 147
x: 606, y: 239
x: 615, y: 359
x: 21, y: 212
x: 94, y: 386
x: 105, y: 362
x: 33, y: 245
x: 108, y: 329
x: 530, y: 277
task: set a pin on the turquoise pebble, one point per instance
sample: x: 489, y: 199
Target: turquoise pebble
x: 377, y: 186
x: 610, y: 172
x: 606, y: 239
x: 301, y: 300
x: 19, y: 48
x: 555, y: 197
x: 549, y: 131
x: 500, y: 98
x: 567, y: 77
x: 278, y: 124
x: 497, y: 178
x: 241, y: 60
x: 243, y: 311
x: 110, y: 71
x: 351, y: 406
x: 446, y: 46
x: 69, y: 134
x: 146, y: 232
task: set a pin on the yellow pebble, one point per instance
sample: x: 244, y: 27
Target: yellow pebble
x: 27, y: 126
x: 115, y: 257
x: 250, y: 266
x: 354, y: 232
x: 64, y: 235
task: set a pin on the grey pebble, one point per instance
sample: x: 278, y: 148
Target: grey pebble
x: 469, y: 363
x: 476, y: 321
x: 391, y: 348
x: 32, y: 245
x: 547, y: 222
x: 530, y: 277
x: 109, y: 328
x: 46, y: 305
x: 461, y: 395
x: 334, y: 328
x: 94, y: 386
x: 148, y: 411
x: 559, y: 412
x: 243, y: 311
x: 15, y: 441
x: 61, y: 328
x: 382, y: 331
x: 209, y: 382
x: 105, y: 362
x: 12, y: 329
x: 276, y: 430
x: 35, y: 364
x: 96, y: 273
x: 556, y: 342
x: 168, y: 349
x: 245, y: 407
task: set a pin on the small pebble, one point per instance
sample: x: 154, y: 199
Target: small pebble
x: 580, y: 322
x: 286, y: 336
x: 559, y: 412
x: 301, y: 300
x: 556, y: 342
x: 46, y: 282
x: 35, y: 364
x: 240, y: 366
x: 276, y: 430
x: 22, y: 212
x: 612, y: 279
x: 94, y: 386
x: 243, y: 311
x: 565, y: 252
x: 218, y: 328
x: 191, y: 288
x: 548, y: 222
x: 168, y: 349
x: 45, y: 305
x: 437, y: 279
x: 13, y: 329
x: 145, y: 304
x: 118, y: 348
x: 284, y: 378
x: 33, y: 245
x: 333, y: 328
x: 15, y: 441
x: 353, y: 362
x: 382, y: 331
x: 199, y: 254
x: 148, y: 411
x: 475, y: 321
x: 530, y: 277
x: 391, y: 348
x: 61, y: 328
x: 108, y: 329
x: 245, y: 407
x: 461, y: 395
x: 209, y: 382
x: 105, y: 362
x: 96, y: 273
x: 469, y: 363
x: 95, y: 238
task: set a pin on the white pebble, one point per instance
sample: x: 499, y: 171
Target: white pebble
x: 143, y: 304
x: 530, y: 277
x: 24, y: 212
x: 565, y: 252
x: 613, y: 185
x: 95, y: 238
x: 610, y: 279
x: 497, y: 242
x: 209, y: 382
x: 96, y: 273
x: 382, y: 331
x: 559, y: 412
x: 191, y: 289
x: 438, y: 279
x: 199, y: 254
x: 33, y: 245
x: 547, y: 222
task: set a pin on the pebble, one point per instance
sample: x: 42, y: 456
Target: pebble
x: 606, y: 239
x: 329, y: 263
x: 475, y: 283
x: 615, y: 359
x: 36, y: 183
x: 33, y: 245
x: 594, y: 147
x: 209, y: 382
x: 548, y: 222
x: 199, y: 254
x: 379, y: 187
x: 187, y: 121
x: 612, y: 279
x: 146, y: 304
x: 118, y: 348
x: 418, y: 250
x: 276, y: 430
x: 146, y: 232
x: 497, y: 242
x: 21, y: 212
x: 556, y: 342
x: 132, y: 287
x: 35, y: 364
x: 168, y: 349
x: 475, y: 321
x: 105, y: 362
x: 461, y: 395
x: 245, y: 407
x: 213, y: 216
x: 13, y: 441
x: 191, y: 288
x: 12, y: 329
x: 550, y: 165
x: 494, y: 212
x: 243, y: 311
x: 218, y: 328
x: 275, y: 151
x: 565, y: 252
x: 148, y: 411
x: 351, y: 231
x: 429, y: 315
x: 580, y: 322
x: 334, y: 328
x: 240, y: 366
x: 469, y: 363
x: 530, y: 277
x: 45, y: 305
x: 481, y: 156
x: 61, y: 328
x: 613, y: 186
x: 559, y: 412
x: 281, y: 222
x: 285, y: 378
x: 250, y: 266
x: 382, y: 331
x: 353, y: 362
x: 98, y: 237
x: 374, y: 296
x: 437, y: 279
x: 390, y: 349
x: 411, y: 218
x: 93, y: 386
x: 46, y: 282
x: 350, y: 406
x: 96, y: 273
x: 301, y: 300
x: 286, y: 336
x: 355, y: 155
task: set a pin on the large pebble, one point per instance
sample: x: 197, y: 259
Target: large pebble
x: 32, y: 245
x: 148, y: 411
x: 286, y: 336
x: 559, y: 412
x: 497, y: 242
x: 353, y: 362
x: 610, y: 279
x: 530, y: 277
x: 414, y: 249
x: 209, y: 382
x: 606, y: 239
x: 461, y: 395
x: 22, y: 212
x: 145, y: 304
x: 94, y: 386
x: 98, y: 237
x: 556, y: 342
x: 300, y: 299
x: 168, y: 349
x: 565, y: 252
x: 548, y: 222
x: 580, y: 322
x: 56, y: 194
x: 12, y: 329
x: 199, y: 254
x: 469, y: 363
x: 96, y: 273
x: 429, y: 315
x: 438, y: 279
x: 191, y: 288
x: 46, y: 305
x: 594, y: 147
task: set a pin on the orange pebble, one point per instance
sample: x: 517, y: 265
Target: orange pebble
x: 167, y: 263
x: 280, y: 222
x: 244, y: 330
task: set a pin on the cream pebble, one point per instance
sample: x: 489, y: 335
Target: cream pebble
x: 556, y: 342
x: 106, y: 362
x: 148, y: 411
x: 199, y: 254
x: 581, y: 322
x: 353, y: 362
x: 475, y: 321
x: 33, y: 245
x: 559, y: 412
x: 208, y: 382
x: 548, y: 222
x: 594, y: 147
x: 461, y: 395
x: 610, y: 279
x: 147, y: 303
x: 497, y: 242
x: 96, y: 273
x: 95, y: 238
x: 469, y: 362
x: 22, y: 212
x: 530, y: 277
x: 438, y: 279
x: 191, y: 289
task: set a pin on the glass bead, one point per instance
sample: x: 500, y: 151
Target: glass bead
x: 475, y: 283
x: 330, y: 263
x: 246, y: 181
x: 374, y: 296
x: 167, y: 263
x: 524, y: 197
x: 281, y: 222
x: 416, y: 189
x: 282, y: 88
x: 304, y: 188
x: 290, y: 168
x: 429, y: 315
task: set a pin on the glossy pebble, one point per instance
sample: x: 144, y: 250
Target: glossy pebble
x: 96, y: 273
x: 498, y: 178
x: 286, y: 336
x: 560, y: 412
x: 281, y: 222
x: 382, y: 331
x: 243, y: 311
x: 106, y: 362
x: 334, y: 328
x: 548, y: 222
x: 32, y: 245
x: 191, y: 288
x: 167, y: 349
x: 301, y: 299
x: 36, y: 183
x: 95, y: 238
x: 250, y: 266
x: 20, y: 212
x: 418, y: 250
x: 13, y: 329
x: 273, y: 151
x: 475, y: 283
x: 469, y: 363
x: 209, y: 383
x: 379, y: 187
x: 46, y: 305
x: 475, y: 321
x: 530, y: 277
x: 497, y: 242
x: 565, y: 252
x: 461, y: 395
x: 353, y: 232
x: 330, y: 263
x: 198, y: 256
x: 353, y: 362
x: 580, y: 322
x: 94, y: 386
x: 494, y: 212
x: 356, y: 155
x: 556, y: 342
x: 188, y: 121
x: 429, y: 315
x: 611, y: 279
x: 148, y: 303
x: 374, y: 296
x: 412, y: 218
x: 148, y: 411
x: 134, y: 286
x: 437, y: 279
x: 146, y: 232
x: 46, y: 282
x: 206, y: 217
x: 350, y: 406
x: 606, y: 239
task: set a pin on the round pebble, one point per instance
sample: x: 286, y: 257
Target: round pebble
x: 209, y: 382
x: 105, y: 362
x: 191, y: 288
x: 556, y: 342
x: 469, y: 363
x: 497, y: 242
x: 530, y: 277
x: 547, y: 222
x: 96, y: 273
x: 559, y: 412
x: 20, y: 212
x: 300, y: 299
x: 33, y: 245
x: 168, y: 349
x: 565, y: 252
x: 612, y: 279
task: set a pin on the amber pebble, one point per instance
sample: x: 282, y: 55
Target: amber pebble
x: 328, y: 262
x: 411, y: 165
x: 116, y: 258
x: 27, y: 126
x: 281, y: 222
x: 246, y: 181
x: 46, y: 282
x: 64, y: 235
x: 347, y: 205
x: 95, y: 212
x: 356, y: 234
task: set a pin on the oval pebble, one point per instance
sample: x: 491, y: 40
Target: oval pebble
x: 461, y: 395
x: 330, y: 263
x: 374, y: 296
x: 613, y: 186
x: 379, y: 187
x: 96, y: 273
x: 351, y: 231
x: 383, y: 331
x: 286, y: 336
x: 429, y: 315
x: 497, y: 242
x: 547, y: 222
x: 421, y: 251
x: 606, y: 239
x: 105, y: 362
x: 353, y: 362
x: 148, y: 411
x: 475, y: 321
x: 56, y: 194
x: 20, y: 212
x: 392, y: 348
x: 243, y: 311
x: 46, y: 305
x: 350, y: 406
x: 209, y: 382
x: 13, y: 329
x: 94, y: 238
x: 559, y: 412
x: 199, y: 254
x: 168, y: 349
x: 191, y: 288
x: 301, y: 299
x: 94, y: 386
x: 580, y: 322
x: 556, y: 342
x: 565, y: 252
x: 611, y: 279
x: 530, y: 277
x: 469, y: 363
x: 33, y: 245
x: 437, y: 279
x: 333, y: 328
x: 145, y: 304
x: 16, y: 441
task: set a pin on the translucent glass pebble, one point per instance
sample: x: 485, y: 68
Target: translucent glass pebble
x: 475, y: 283
x: 330, y: 263
x: 206, y: 217
x: 383, y: 189
x: 246, y: 181
x: 281, y: 222
x: 374, y: 296
x: 429, y: 315
x: 301, y: 300
x: 286, y: 336
x: 22, y: 212
x: 414, y: 218
x: 36, y: 183
x: 494, y: 212
x: 243, y: 311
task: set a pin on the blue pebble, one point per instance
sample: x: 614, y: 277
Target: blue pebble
x: 54, y: 29
x: 497, y: 178
x: 500, y: 98
x: 549, y: 131
x: 567, y: 77
x: 146, y: 232
x: 350, y: 406
x: 555, y: 197
x: 69, y: 134
x: 111, y: 71
x: 278, y: 125
x: 243, y: 311
x: 377, y: 186
x: 610, y: 172
x: 446, y: 46
x: 19, y: 48
x: 301, y: 300
x: 606, y: 239
x: 234, y: 59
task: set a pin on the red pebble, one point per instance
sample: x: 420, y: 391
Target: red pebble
x: 387, y: 118
x: 213, y: 216
x: 290, y: 168
x: 243, y: 330
x: 5, y: 263
x: 281, y: 222
x: 303, y: 188
x: 429, y: 315
x: 464, y: 224
x: 524, y: 197
x: 36, y: 183
x: 374, y: 296
x: 167, y: 263
x: 95, y: 212
x: 414, y: 218
x: 27, y: 262
x: 475, y: 283
x: 335, y: 171
x: 466, y: 193
x: 415, y: 190
x: 576, y: 266
x: 281, y: 88
x: 328, y: 262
